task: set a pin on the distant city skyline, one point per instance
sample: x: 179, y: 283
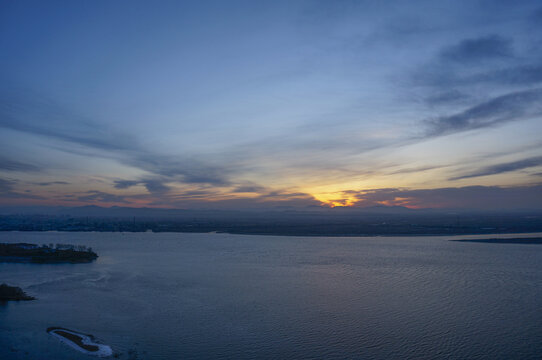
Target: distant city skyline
x: 240, y: 104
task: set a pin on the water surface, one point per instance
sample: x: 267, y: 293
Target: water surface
x: 221, y: 296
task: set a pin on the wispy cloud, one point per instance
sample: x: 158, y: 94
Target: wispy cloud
x: 270, y: 201
x: 510, y: 107
x: 536, y: 16
x: 95, y: 196
x: 14, y: 165
x: 249, y: 189
x: 503, y: 168
x: 350, y: 87
x: 8, y: 191
x: 31, y: 113
x: 478, y: 49
x: 34, y: 115
x: 417, y: 169
x: 6, y: 185
x: 529, y: 74
x: 446, y: 97
x: 489, y: 60
x: 48, y: 183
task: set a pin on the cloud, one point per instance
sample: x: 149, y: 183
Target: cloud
x: 125, y: 184
x: 417, y: 169
x: 6, y: 185
x: 8, y: 191
x: 474, y: 50
x: 472, y: 197
x: 515, y: 75
x: 156, y: 186
x: 187, y: 170
x: 450, y: 96
x: 13, y: 165
x: 503, y: 168
x: 201, y: 194
x: 536, y: 16
x: 52, y: 183
x: 510, y: 107
x: 481, y: 61
x: 153, y: 186
x: 441, y: 78
x: 249, y: 189
x: 100, y: 196
x: 270, y: 201
x: 32, y: 114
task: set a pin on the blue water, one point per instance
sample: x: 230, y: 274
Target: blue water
x: 220, y: 296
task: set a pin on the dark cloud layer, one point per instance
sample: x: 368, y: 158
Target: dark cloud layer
x: 470, y: 197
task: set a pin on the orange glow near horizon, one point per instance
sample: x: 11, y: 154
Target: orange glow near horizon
x: 336, y: 199
x: 345, y: 199
x: 329, y: 195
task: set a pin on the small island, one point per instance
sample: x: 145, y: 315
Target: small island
x: 80, y: 342
x: 13, y: 293
x: 46, y: 254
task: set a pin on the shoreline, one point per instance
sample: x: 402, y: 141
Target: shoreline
x: 527, y: 234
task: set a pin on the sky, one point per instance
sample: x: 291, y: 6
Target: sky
x: 251, y: 104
